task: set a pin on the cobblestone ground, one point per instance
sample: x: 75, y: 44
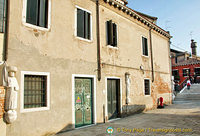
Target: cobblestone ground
x: 180, y: 119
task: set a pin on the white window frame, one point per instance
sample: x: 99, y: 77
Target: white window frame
x: 93, y: 77
x: 147, y: 46
x: 34, y: 26
x: 149, y: 86
x: 75, y: 24
x: 47, y: 74
x: 110, y: 46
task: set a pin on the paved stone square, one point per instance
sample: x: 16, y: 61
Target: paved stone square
x: 180, y: 119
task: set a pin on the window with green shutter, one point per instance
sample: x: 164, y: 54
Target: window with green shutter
x: 111, y: 33
x: 83, y: 24
x: 37, y: 12
x: 144, y: 46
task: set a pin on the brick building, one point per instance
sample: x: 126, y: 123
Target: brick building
x: 185, y: 66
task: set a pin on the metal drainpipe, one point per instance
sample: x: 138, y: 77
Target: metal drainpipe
x: 151, y: 54
x: 5, y: 42
x: 98, y: 41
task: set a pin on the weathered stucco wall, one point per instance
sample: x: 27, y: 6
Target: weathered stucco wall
x: 56, y: 51
x: 127, y: 57
x: 59, y: 52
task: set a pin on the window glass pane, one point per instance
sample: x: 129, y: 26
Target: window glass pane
x: 80, y: 23
x: 175, y: 73
x: 35, y: 94
x: 186, y: 72
x: 43, y: 13
x: 145, y: 46
x: 87, y: 25
x: 32, y: 12
x: 197, y: 71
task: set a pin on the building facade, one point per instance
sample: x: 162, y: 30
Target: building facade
x: 84, y: 62
x: 185, y: 66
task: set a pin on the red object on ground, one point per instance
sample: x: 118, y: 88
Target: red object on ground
x: 161, y: 102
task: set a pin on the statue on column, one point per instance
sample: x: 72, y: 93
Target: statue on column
x: 11, y: 95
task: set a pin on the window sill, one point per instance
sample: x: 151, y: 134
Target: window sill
x: 112, y: 47
x: 145, y: 56
x: 34, y: 109
x: 83, y: 39
x: 36, y: 27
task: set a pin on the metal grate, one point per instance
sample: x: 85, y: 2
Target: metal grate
x: 147, y: 87
x: 35, y: 91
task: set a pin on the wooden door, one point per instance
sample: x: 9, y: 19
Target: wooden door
x: 83, y: 102
x: 113, y: 98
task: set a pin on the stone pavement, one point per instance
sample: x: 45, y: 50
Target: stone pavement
x: 180, y: 119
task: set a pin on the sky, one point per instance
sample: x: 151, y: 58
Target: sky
x: 180, y: 17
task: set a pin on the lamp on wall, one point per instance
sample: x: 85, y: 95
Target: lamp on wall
x: 141, y: 68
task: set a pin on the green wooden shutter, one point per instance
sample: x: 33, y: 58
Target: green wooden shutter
x: 114, y: 35
x: 146, y: 47
x: 2, y: 14
x: 80, y: 23
x: 109, y: 32
x: 32, y: 12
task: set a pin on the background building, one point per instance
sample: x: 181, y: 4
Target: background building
x: 185, y: 66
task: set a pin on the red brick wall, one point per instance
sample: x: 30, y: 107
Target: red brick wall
x: 180, y: 68
x: 2, y: 100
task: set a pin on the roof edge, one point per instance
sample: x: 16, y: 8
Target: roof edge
x: 136, y: 15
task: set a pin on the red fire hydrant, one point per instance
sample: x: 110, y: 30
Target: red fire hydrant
x: 161, y: 103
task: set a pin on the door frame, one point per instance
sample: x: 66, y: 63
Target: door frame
x: 120, y: 91
x: 93, y: 77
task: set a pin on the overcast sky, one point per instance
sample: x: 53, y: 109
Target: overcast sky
x: 180, y: 17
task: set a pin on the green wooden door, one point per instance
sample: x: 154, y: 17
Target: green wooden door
x: 113, y: 98
x: 83, y: 102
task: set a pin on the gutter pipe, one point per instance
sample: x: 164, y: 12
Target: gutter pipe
x: 98, y: 41
x: 5, y: 42
x: 151, y: 48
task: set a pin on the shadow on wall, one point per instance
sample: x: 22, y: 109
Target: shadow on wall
x: 128, y: 110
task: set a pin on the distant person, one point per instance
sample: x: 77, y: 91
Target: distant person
x: 188, y: 84
x: 192, y: 80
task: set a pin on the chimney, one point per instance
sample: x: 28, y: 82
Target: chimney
x: 193, y: 47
